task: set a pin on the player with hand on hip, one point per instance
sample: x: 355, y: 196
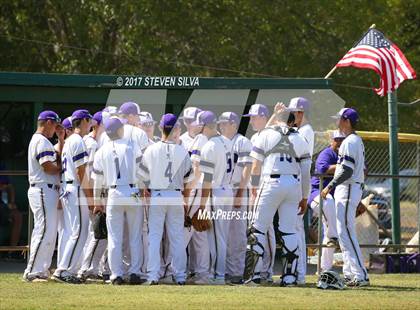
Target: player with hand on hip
x: 241, y: 147
x: 167, y: 169
x: 348, y: 182
x: 216, y: 193
x: 44, y: 169
x: 326, y: 164
x: 116, y: 168
x: 258, y: 114
x: 76, y: 199
x: 281, y: 158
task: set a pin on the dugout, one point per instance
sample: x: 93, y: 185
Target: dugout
x: 24, y: 95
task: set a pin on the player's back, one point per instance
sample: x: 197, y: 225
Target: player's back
x: 40, y: 150
x: 167, y: 164
x: 118, y: 159
x: 241, y: 147
x: 281, y: 150
x: 352, y: 154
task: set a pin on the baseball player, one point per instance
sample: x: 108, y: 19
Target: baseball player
x: 281, y: 159
x: 147, y: 123
x: 68, y: 129
x: 43, y: 174
x: 325, y: 164
x: 216, y: 193
x: 116, y: 168
x: 241, y: 147
x: 167, y: 167
x: 348, y: 182
x: 195, y: 241
x: 258, y: 114
x: 76, y: 199
x: 107, y: 112
x: 94, y: 249
x: 300, y: 107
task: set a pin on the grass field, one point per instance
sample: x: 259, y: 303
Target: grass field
x: 386, y: 292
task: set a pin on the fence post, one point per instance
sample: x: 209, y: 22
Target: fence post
x: 418, y: 192
x: 321, y: 203
x: 394, y: 166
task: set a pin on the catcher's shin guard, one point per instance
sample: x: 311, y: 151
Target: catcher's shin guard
x: 254, y: 251
x: 289, y: 261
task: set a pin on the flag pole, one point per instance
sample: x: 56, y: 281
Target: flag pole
x: 335, y: 67
x: 394, y: 166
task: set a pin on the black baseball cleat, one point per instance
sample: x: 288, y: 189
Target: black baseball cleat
x: 117, y: 281
x: 180, y: 282
x: 358, y: 283
x: 135, y: 279
x: 35, y: 279
x: 153, y: 282
x: 69, y: 279
x: 106, y: 278
x: 333, y: 242
x: 288, y: 284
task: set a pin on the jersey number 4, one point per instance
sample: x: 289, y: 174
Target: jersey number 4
x: 168, y: 172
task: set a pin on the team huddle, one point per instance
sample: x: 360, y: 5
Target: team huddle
x: 157, y: 194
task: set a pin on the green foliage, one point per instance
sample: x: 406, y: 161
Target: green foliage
x: 186, y: 37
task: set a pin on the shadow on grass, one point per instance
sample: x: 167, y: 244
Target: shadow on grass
x: 391, y: 288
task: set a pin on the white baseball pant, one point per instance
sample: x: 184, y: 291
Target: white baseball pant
x: 301, y: 238
x: 220, y: 201
x: 347, y: 198
x: 43, y: 202
x: 282, y: 194
x: 329, y: 222
x: 76, y: 224
x: 166, y: 207
x: 124, y: 206
x: 197, y: 242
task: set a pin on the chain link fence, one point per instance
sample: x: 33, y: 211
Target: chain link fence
x: 375, y: 226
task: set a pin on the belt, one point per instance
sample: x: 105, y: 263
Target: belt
x: 166, y: 190
x: 115, y: 186
x: 53, y: 186
x: 69, y: 182
x: 276, y: 176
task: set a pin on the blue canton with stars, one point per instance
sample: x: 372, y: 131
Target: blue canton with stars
x: 375, y: 39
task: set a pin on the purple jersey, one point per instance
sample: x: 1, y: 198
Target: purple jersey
x: 326, y: 158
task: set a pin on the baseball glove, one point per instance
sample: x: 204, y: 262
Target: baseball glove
x: 200, y: 224
x: 361, y: 208
x: 99, y: 226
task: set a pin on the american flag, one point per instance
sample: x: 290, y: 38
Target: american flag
x: 376, y: 52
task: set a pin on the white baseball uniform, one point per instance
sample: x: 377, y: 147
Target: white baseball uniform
x: 75, y: 208
x: 347, y: 197
x: 216, y: 159
x: 116, y: 167
x: 43, y: 199
x: 283, y: 154
x: 167, y: 166
x: 196, y: 242
x: 236, y: 245
x: 270, y: 242
x: 308, y: 134
x: 94, y: 249
x: 133, y: 134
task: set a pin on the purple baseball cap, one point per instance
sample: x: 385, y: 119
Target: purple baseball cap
x: 98, y: 117
x: 347, y: 113
x: 205, y: 118
x: 49, y: 115
x: 299, y: 104
x: 129, y: 107
x: 190, y: 113
x: 257, y: 109
x: 112, y: 124
x: 80, y: 114
x: 228, y: 117
x: 67, y: 123
x: 169, y: 120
